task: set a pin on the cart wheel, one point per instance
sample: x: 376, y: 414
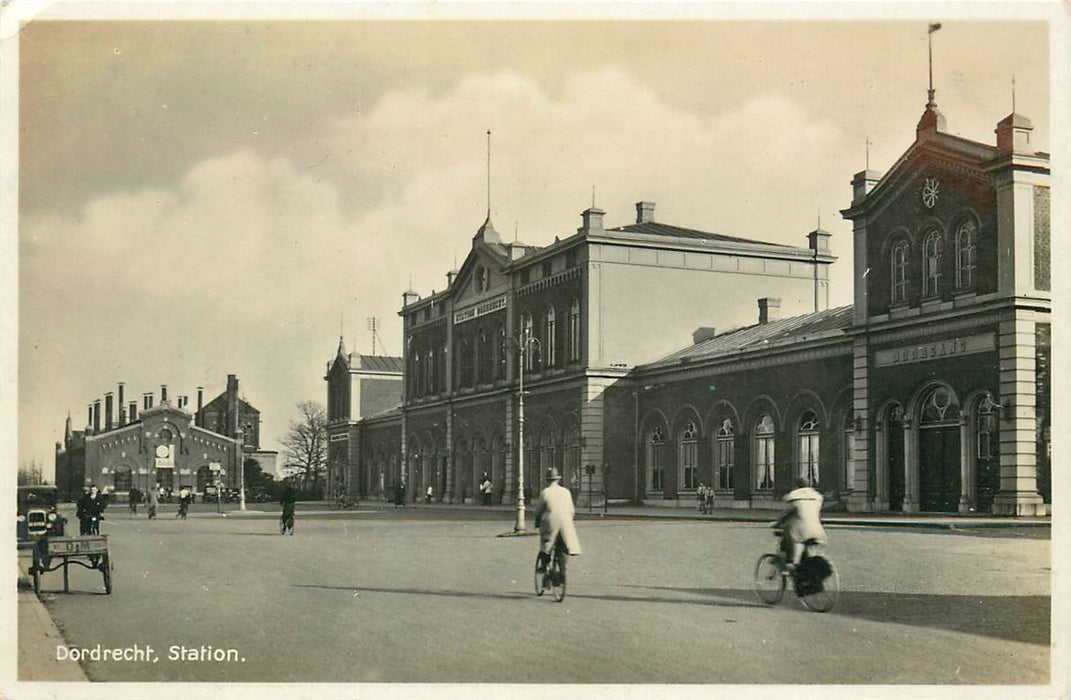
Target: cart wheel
x: 106, y: 569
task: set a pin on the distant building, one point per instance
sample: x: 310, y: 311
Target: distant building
x: 162, y: 443
x: 358, y: 386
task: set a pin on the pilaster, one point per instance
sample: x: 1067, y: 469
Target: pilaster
x: 858, y: 500
x: 1018, y: 426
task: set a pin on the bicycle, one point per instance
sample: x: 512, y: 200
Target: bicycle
x: 553, y: 577
x: 286, y: 521
x: 814, y: 579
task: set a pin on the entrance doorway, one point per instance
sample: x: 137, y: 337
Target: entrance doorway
x: 939, y: 451
x: 939, y: 477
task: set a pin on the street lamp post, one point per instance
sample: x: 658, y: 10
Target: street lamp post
x: 523, y: 348
x: 239, y: 454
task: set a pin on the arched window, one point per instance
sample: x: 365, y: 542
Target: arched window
x: 503, y: 351
x: 988, y: 429
x: 466, y: 363
x: 526, y: 333
x: 807, y: 447
x: 966, y: 237
x: 430, y: 371
x: 483, y: 357
x: 574, y: 331
x: 549, y: 339
x: 899, y: 273
x: 687, y: 456
x: 764, y: 454
x: 655, y: 441
x: 418, y: 374
x: 122, y: 479
x: 931, y: 264
x: 939, y: 406
x: 723, y: 456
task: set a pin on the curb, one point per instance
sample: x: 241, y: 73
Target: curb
x: 38, y: 638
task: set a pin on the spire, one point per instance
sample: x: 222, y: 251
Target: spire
x: 932, y: 119
x: 67, y: 432
x: 488, y: 175
x: 341, y: 348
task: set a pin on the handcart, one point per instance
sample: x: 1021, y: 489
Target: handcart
x: 89, y: 551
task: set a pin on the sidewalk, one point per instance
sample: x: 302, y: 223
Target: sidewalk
x: 38, y: 638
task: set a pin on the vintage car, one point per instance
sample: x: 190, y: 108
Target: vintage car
x: 37, y: 516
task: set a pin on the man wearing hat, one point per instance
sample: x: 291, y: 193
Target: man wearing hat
x: 554, y: 518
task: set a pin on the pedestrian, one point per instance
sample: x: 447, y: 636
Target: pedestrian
x: 710, y: 499
x: 185, y: 498
x: 154, y: 501
x: 90, y: 511
x: 134, y: 497
x: 487, y: 489
x: 701, y: 497
x: 428, y: 496
x: 399, y: 494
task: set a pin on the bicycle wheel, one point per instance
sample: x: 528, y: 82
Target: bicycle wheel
x: 557, y: 577
x: 282, y: 526
x: 822, y: 594
x: 769, y: 581
x: 290, y: 525
x: 539, y: 577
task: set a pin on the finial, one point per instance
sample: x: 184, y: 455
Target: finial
x: 488, y: 176
x: 929, y: 36
x: 868, y: 153
x: 593, y: 196
x: 1013, y: 93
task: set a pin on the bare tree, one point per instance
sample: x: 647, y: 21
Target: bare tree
x: 31, y: 474
x: 306, y: 445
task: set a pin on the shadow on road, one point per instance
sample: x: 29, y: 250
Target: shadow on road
x: 420, y: 591
x: 1015, y: 618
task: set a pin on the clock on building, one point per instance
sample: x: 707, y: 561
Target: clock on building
x: 930, y: 189
x: 163, y: 451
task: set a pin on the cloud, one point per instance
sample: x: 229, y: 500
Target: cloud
x: 246, y: 263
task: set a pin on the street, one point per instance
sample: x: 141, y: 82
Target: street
x: 385, y: 595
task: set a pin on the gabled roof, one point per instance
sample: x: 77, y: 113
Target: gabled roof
x: 652, y: 228
x: 221, y: 400
x: 779, y: 333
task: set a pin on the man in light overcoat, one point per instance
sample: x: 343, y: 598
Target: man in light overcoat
x: 554, y: 516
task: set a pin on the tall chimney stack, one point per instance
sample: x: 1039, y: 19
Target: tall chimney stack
x: 645, y: 212
x: 96, y: 416
x: 121, y: 406
x: 163, y: 394
x: 89, y: 417
x: 108, y: 423
x: 133, y: 411
x: 232, y: 405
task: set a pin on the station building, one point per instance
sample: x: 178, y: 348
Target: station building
x: 165, y: 443
x: 930, y: 392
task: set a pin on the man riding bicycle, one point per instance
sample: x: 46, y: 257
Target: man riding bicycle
x: 287, y: 500
x: 801, y: 522
x: 554, y: 518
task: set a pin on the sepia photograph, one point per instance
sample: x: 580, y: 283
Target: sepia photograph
x: 496, y: 350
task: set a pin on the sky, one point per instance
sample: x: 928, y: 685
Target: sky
x: 203, y: 198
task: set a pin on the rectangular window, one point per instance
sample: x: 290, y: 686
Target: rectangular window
x: 546, y: 269
x: 688, y: 465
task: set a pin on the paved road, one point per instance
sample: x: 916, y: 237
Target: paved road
x: 385, y: 595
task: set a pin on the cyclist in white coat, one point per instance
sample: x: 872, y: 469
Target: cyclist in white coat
x: 802, y: 521
x: 554, y: 518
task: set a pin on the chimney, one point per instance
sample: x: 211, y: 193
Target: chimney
x: 200, y: 398
x: 232, y: 405
x: 147, y: 400
x: 411, y: 297
x: 703, y: 333
x: 645, y: 212
x: 96, y: 416
x: 1013, y: 134
x: 121, y: 405
x: 108, y: 422
x: 592, y: 219
x: 163, y: 394
x: 89, y: 418
x: 862, y: 183
x: 133, y: 411
x: 769, y: 309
